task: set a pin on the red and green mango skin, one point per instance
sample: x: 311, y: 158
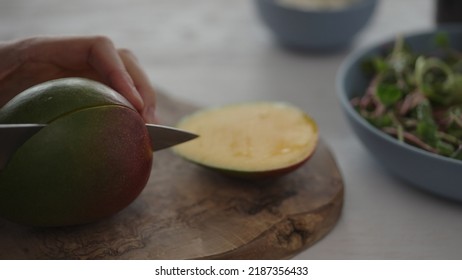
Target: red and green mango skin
x: 50, y: 100
x: 86, y: 164
x: 255, y: 176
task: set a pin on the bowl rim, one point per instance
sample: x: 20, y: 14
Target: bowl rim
x: 352, y: 58
x: 351, y: 7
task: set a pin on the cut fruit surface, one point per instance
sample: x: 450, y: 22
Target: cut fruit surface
x: 262, y: 138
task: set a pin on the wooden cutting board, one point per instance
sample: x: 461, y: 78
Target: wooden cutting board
x: 187, y: 212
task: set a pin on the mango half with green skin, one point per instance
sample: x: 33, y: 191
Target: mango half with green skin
x: 258, y: 140
x: 91, y: 161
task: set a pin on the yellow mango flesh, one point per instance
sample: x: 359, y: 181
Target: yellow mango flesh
x: 254, y: 137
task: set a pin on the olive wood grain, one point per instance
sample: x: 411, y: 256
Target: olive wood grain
x: 187, y: 212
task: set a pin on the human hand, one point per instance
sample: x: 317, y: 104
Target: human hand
x: 30, y: 61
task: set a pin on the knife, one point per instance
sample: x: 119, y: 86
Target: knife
x: 12, y: 136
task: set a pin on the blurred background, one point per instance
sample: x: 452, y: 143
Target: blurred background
x: 213, y: 52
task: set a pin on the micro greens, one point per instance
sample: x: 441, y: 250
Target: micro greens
x: 417, y: 98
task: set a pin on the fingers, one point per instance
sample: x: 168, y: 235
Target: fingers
x: 142, y: 84
x: 95, y: 57
x: 9, y: 59
x: 103, y: 56
x: 80, y: 53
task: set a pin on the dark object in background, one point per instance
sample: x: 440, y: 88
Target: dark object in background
x: 448, y: 11
x: 315, y: 29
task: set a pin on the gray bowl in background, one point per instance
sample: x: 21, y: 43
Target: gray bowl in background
x: 434, y: 173
x: 315, y: 29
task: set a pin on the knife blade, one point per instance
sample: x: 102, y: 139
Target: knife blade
x: 163, y: 137
x: 12, y: 136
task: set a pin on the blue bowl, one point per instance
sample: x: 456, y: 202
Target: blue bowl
x: 434, y: 173
x: 315, y: 29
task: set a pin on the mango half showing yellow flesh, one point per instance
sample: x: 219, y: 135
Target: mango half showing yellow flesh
x: 252, y: 140
x: 92, y: 159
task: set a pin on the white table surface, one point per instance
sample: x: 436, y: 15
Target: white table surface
x: 214, y: 52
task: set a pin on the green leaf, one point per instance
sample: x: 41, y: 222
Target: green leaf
x: 444, y: 148
x: 442, y: 40
x: 380, y: 64
x: 424, y: 112
x: 455, y: 90
x: 431, y: 74
x: 457, y: 154
x: 426, y: 129
x: 388, y: 94
x: 381, y: 121
x: 428, y: 132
